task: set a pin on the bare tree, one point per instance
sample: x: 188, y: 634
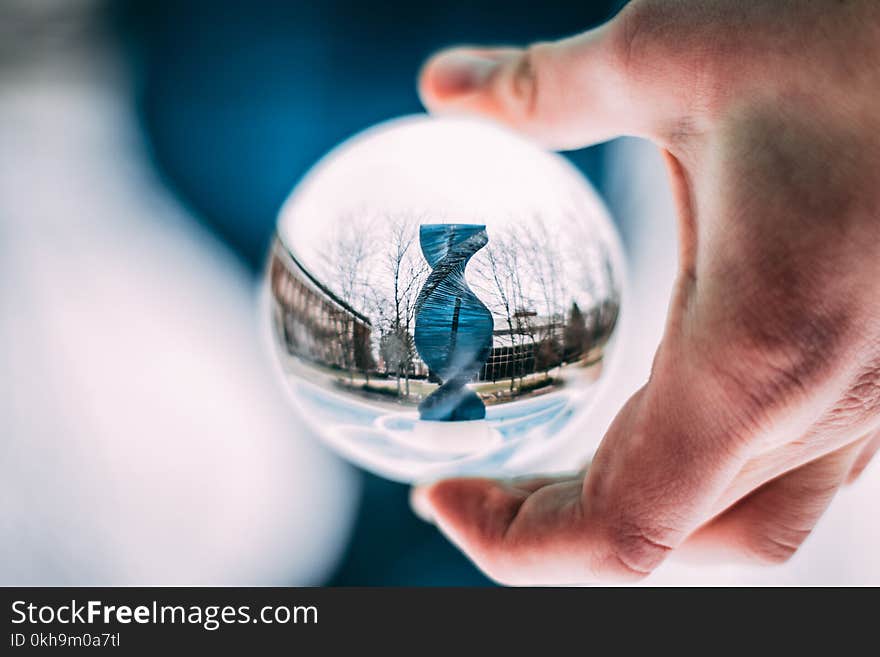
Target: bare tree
x: 593, y: 263
x: 500, y: 270
x: 347, y: 262
x: 394, y: 304
x: 542, y: 291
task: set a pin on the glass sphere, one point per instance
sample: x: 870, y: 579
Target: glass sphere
x: 441, y: 297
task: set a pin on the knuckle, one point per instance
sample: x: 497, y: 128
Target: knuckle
x: 518, y: 87
x: 778, y: 532
x: 637, y: 549
x: 776, y: 545
x: 658, y: 45
x: 860, y: 403
x: 628, y: 33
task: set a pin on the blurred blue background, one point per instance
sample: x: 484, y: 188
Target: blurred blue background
x: 238, y: 100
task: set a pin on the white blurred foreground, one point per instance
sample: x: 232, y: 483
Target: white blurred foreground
x: 143, y: 438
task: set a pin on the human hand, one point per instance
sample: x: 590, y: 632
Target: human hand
x: 764, y: 396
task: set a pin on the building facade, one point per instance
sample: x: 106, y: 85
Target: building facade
x: 314, y: 323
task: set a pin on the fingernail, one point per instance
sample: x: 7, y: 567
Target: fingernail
x: 418, y: 500
x: 458, y: 73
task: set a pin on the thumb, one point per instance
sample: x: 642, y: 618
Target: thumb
x: 565, y: 94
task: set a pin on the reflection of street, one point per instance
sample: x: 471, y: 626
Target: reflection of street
x: 384, y: 390
x: 384, y: 436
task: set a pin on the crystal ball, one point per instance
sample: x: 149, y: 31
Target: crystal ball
x: 441, y: 297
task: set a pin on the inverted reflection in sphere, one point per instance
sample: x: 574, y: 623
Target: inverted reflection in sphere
x: 441, y: 296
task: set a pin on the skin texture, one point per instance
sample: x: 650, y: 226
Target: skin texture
x: 764, y: 396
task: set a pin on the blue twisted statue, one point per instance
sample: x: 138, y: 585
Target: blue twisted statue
x: 453, y: 332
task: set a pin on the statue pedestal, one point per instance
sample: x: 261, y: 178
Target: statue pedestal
x: 464, y: 438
